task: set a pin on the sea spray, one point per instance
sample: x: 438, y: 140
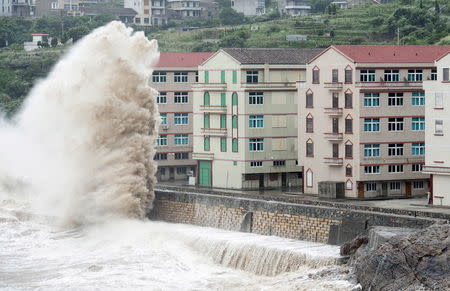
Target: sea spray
x: 82, y: 145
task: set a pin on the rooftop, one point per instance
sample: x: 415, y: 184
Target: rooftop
x: 167, y: 59
x: 280, y: 56
x: 393, y: 53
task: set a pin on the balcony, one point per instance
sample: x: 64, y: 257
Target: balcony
x: 335, y: 86
x: 334, y: 111
x: 215, y: 131
x: 213, y: 108
x: 270, y: 85
x: 332, y: 136
x: 202, y: 156
x: 338, y: 162
x: 391, y: 85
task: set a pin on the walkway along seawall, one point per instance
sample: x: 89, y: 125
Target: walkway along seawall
x: 316, y: 223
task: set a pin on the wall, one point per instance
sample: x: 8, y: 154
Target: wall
x: 297, y: 221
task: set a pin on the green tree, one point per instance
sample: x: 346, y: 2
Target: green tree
x: 229, y: 16
x: 54, y: 42
x: 437, y: 9
x: 77, y: 32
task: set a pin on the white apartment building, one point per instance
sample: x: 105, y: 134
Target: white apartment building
x: 249, y: 7
x: 362, y: 119
x: 149, y: 12
x: 437, y: 132
x: 245, y: 118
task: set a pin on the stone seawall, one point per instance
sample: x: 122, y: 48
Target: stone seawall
x: 298, y: 221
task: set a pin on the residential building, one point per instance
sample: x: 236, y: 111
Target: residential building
x: 149, y: 12
x: 6, y: 8
x: 361, y: 119
x: 245, y: 118
x: 173, y: 77
x: 249, y: 7
x: 295, y: 7
x: 192, y: 8
x: 24, y: 8
x: 437, y: 131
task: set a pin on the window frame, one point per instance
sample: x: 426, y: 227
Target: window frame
x: 181, y: 97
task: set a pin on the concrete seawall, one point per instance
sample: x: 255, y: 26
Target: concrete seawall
x: 316, y: 223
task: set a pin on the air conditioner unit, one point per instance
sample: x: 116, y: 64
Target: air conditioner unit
x: 165, y: 127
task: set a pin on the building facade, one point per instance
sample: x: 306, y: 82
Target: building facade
x: 6, y: 8
x: 149, y: 12
x: 249, y: 7
x: 245, y: 117
x: 437, y: 132
x: 362, y: 119
x: 295, y: 7
x: 173, y: 77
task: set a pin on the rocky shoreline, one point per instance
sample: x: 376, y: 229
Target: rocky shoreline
x: 393, y: 259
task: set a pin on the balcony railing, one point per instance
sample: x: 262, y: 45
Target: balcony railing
x: 332, y: 136
x: 215, y: 131
x: 213, y: 108
x: 202, y: 156
x: 399, y: 84
x: 334, y: 161
x: 334, y: 111
x: 334, y: 85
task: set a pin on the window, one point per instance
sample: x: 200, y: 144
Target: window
x: 348, y: 171
x: 439, y: 100
x: 418, y: 149
x: 371, y: 150
x: 181, y: 156
x: 348, y: 185
x: 371, y: 99
x: 438, y: 126
x: 394, y: 186
x: 234, y: 99
x: 334, y: 76
x: 395, y: 168
x: 196, y: 77
x: 418, y: 123
x: 252, y: 76
x: 395, y: 99
x: 279, y: 163
x: 137, y: 19
x: 415, y: 75
x: 371, y: 169
x: 181, y: 97
x: 181, y: 118
x: 433, y: 74
x: 161, y: 140
x: 223, y: 99
x: 234, y: 121
x: 418, y: 185
x: 335, y: 150
x: 163, y: 118
x: 54, y: 5
x: 206, y: 120
x: 349, y: 151
x: 234, y: 145
x: 371, y: 124
x: 160, y: 156
x: 416, y: 167
x: 256, y: 121
x: 348, y: 100
x: 223, y: 121
x: 445, y: 74
x: 315, y: 76
x: 418, y: 98
x: 206, y: 77
x: 180, y: 77
x: 348, y: 125
x: 309, y: 99
x: 309, y: 124
x: 181, y: 139
x: 309, y: 148
x: 335, y: 100
x: 371, y: 187
x: 348, y: 75
x: 395, y: 149
x: 206, y: 99
x: 161, y: 98
x: 181, y: 170
x: 256, y: 144
x: 391, y: 75
x: 256, y: 164
x: 159, y: 77
x: 395, y: 124
x: 206, y: 143
x: 223, y: 144
x: 309, y: 178
x: 146, y: 20
x: 256, y: 98
x: 367, y: 76
x: 234, y: 77
x: 222, y: 76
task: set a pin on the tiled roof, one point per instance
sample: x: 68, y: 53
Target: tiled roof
x: 393, y: 53
x: 189, y: 60
x: 280, y: 56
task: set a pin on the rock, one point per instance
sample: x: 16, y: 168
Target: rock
x: 350, y: 247
x: 417, y: 261
x: 381, y: 234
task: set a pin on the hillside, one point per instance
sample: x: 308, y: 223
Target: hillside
x: 364, y: 24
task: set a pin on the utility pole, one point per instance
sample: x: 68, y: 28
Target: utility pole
x: 398, y: 36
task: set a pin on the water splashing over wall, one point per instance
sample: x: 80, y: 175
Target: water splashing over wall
x: 82, y: 145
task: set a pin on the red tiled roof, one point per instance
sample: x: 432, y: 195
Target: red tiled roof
x: 393, y: 53
x: 182, y: 59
